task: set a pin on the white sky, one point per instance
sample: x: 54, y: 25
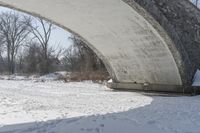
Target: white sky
x: 58, y: 36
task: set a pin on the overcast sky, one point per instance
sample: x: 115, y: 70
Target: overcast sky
x: 59, y: 36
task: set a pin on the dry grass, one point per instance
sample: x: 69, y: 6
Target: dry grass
x: 81, y: 76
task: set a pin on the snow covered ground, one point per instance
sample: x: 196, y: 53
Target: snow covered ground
x: 57, y: 107
x: 48, y: 77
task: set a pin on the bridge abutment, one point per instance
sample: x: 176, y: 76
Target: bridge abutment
x: 161, y: 88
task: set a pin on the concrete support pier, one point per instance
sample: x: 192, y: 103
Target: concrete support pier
x: 179, y: 89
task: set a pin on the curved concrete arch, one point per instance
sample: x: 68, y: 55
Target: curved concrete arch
x: 180, y: 20
x: 130, y: 46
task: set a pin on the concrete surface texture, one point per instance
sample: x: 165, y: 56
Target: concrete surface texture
x: 132, y: 49
x: 181, y: 21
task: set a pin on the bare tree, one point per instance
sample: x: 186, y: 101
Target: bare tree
x: 42, y: 34
x: 72, y: 59
x: 83, y: 62
x: 42, y: 31
x: 2, y: 63
x: 88, y: 59
x: 1, y: 47
x: 14, y: 29
x: 31, y: 58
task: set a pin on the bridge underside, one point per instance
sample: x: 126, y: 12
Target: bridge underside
x: 133, y: 45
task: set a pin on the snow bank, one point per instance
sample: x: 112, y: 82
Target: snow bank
x: 110, y: 81
x: 26, y: 101
x: 51, y: 77
x: 13, y: 77
x: 48, y: 77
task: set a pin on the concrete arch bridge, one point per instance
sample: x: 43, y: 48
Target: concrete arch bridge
x: 145, y: 44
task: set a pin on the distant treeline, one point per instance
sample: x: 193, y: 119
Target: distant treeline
x: 25, y: 48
